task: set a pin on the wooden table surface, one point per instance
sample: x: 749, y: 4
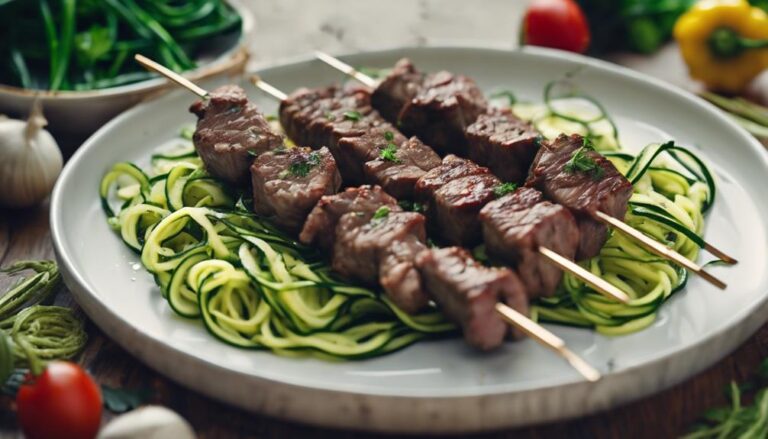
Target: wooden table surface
x: 26, y: 235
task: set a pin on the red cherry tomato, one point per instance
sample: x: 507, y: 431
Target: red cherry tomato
x: 63, y: 402
x: 559, y: 24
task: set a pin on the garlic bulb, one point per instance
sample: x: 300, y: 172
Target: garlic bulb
x: 150, y: 422
x: 30, y: 160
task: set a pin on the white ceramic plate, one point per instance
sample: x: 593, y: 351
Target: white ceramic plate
x: 435, y: 386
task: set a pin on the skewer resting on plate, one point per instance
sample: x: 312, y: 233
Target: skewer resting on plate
x: 508, y: 314
x: 647, y: 242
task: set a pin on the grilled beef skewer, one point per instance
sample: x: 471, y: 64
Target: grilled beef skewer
x: 480, y: 281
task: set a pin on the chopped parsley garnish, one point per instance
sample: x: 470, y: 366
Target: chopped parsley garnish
x: 479, y: 253
x: 389, y: 136
x: 302, y: 166
x: 381, y: 213
x: 504, y: 189
x: 412, y: 206
x: 389, y: 153
x: 352, y: 115
x: 582, y: 162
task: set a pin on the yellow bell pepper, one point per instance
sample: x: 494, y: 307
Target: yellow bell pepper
x: 724, y: 43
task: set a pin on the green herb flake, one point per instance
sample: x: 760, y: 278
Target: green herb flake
x: 302, y: 166
x: 582, y: 162
x: 389, y: 153
x: 328, y: 115
x: 352, y: 115
x: 412, y: 206
x: 389, y: 136
x: 504, y: 189
x: 381, y: 213
x: 479, y: 253
x: 253, y: 153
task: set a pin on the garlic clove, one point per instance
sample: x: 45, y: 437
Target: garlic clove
x: 149, y: 422
x: 30, y: 160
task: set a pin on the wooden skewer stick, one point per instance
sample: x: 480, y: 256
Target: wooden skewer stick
x: 268, y: 88
x: 170, y: 74
x: 346, y: 68
x: 547, y: 339
x: 597, y: 283
x: 512, y: 317
x: 635, y: 234
x: 600, y: 285
x: 658, y: 248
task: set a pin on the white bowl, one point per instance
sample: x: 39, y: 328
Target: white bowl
x: 73, y: 115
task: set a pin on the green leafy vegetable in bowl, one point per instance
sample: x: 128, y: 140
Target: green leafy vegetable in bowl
x: 88, y: 44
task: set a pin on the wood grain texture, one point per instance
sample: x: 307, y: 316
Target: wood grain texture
x: 25, y: 235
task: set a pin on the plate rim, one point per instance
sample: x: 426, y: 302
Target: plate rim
x: 95, y: 307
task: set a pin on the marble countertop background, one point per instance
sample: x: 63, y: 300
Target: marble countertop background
x: 286, y: 29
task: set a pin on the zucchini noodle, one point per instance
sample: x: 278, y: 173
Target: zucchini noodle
x: 672, y: 191
x: 254, y: 287
x: 251, y: 285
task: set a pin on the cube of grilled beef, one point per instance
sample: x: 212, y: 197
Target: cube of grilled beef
x: 320, y: 227
x: 601, y: 187
x: 397, y: 89
x: 356, y: 151
x: 436, y: 107
x: 342, y: 119
x: 288, y: 183
x: 398, y: 274
x: 503, y: 143
x: 517, y: 224
x: 467, y: 292
x: 383, y: 249
x: 457, y: 205
x: 229, y: 131
x: 397, y: 167
x: 451, y: 168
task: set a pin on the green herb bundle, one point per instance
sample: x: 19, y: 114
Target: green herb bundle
x: 88, y: 44
x: 745, y: 418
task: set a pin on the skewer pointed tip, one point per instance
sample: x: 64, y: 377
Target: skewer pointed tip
x: 170, y: 74
x: 658, y: 248
x: 547, y: 339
